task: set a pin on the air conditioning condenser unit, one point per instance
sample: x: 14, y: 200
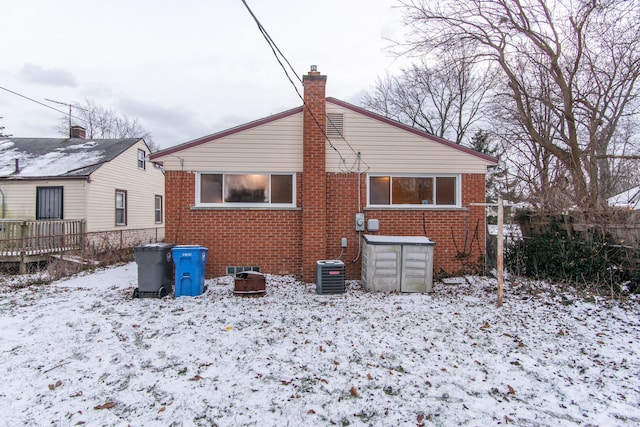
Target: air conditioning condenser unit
x: 330, y: 277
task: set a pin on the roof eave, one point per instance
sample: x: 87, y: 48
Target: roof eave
x: 42, y: 178
x: 490, y: 159
x: 224, y: 133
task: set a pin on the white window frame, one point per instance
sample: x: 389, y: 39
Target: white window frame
x: 160, y: 210
x: 142, y: 159
x: 457, y: 204
x: 124, y: 208
x: 246, y: 205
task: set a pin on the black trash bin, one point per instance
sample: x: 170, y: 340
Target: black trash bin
x: 155, y: 270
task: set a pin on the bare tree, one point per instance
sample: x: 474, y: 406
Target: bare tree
x: 443, y: 98
x: 101, y: 122
x: 570, y: 70
x: 534, y: 174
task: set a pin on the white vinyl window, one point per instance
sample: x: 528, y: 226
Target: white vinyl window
x: 142, y: 159
x: 121, y: 207
x: 245, y: 190
x: 425, y: 191
x: 158, y: 209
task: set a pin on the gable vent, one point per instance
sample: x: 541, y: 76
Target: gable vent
x: 335, y: 125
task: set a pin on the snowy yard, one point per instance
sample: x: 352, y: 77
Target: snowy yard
x: 82, y: 351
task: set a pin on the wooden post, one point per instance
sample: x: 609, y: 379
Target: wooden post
x: 500, y: 252
x: 82, y: 238
x: 22, y: 269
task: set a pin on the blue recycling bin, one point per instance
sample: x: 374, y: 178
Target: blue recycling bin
x: 190, y: 262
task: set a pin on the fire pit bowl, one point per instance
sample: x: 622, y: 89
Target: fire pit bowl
x: 249, y: 283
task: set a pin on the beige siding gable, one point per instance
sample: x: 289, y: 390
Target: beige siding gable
x: 275, y: 146
x: 386, y: 148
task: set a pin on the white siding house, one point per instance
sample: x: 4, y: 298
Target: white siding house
x: 108, y: 183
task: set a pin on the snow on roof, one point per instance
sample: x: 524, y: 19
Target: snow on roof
x: 629, y: 199
x: 51, y: 157
x: 6, y: 144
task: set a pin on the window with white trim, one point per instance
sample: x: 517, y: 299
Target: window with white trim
x: 158, y: 209
x: 245, y: 190
x: 142, y: 159
x: 414, y: 190
x: 121, y: 207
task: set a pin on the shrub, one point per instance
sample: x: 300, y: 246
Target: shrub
x: 574, y: 260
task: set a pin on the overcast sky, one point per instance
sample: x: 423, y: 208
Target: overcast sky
x: 184, y: 69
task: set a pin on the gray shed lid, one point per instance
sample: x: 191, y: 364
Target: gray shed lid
x: 398, y: 240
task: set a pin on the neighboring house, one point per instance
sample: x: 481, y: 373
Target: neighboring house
x: 626, y: 227
x: 108, y: 183
x: 282, y: 192
x: 629, y: 199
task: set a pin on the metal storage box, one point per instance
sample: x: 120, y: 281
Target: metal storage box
x: 397, y: 263
x: 330, y: 277
x: 190, y: 262
x: 155, y: 270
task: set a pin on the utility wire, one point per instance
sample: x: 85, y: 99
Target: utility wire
x: 278, y: 54
x: 33, y: 100
x: 276, y: 51
x: 274, y: 48
x: 43, y: 104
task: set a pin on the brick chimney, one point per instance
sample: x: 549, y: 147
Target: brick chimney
x: 78, y: 132
x: 314, y: 178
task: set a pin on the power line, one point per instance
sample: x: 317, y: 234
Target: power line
x: 275, y: 50
x: 33, y: 100
x: 43, y: 104
x: 278, y: 54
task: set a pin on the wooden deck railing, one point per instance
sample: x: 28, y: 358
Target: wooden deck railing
x: 21, y: 239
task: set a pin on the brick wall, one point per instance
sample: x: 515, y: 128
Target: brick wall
x: 455, y: 252
x: 267, y: 238
x: 273, y: 239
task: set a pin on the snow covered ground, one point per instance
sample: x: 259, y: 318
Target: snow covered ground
x: 82, y: 351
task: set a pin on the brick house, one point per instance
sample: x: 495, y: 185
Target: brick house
x: 282, y: 192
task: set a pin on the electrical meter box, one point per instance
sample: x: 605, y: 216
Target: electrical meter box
x: 359, y: 222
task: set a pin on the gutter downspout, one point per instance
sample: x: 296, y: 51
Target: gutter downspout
x: 2, y: 194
